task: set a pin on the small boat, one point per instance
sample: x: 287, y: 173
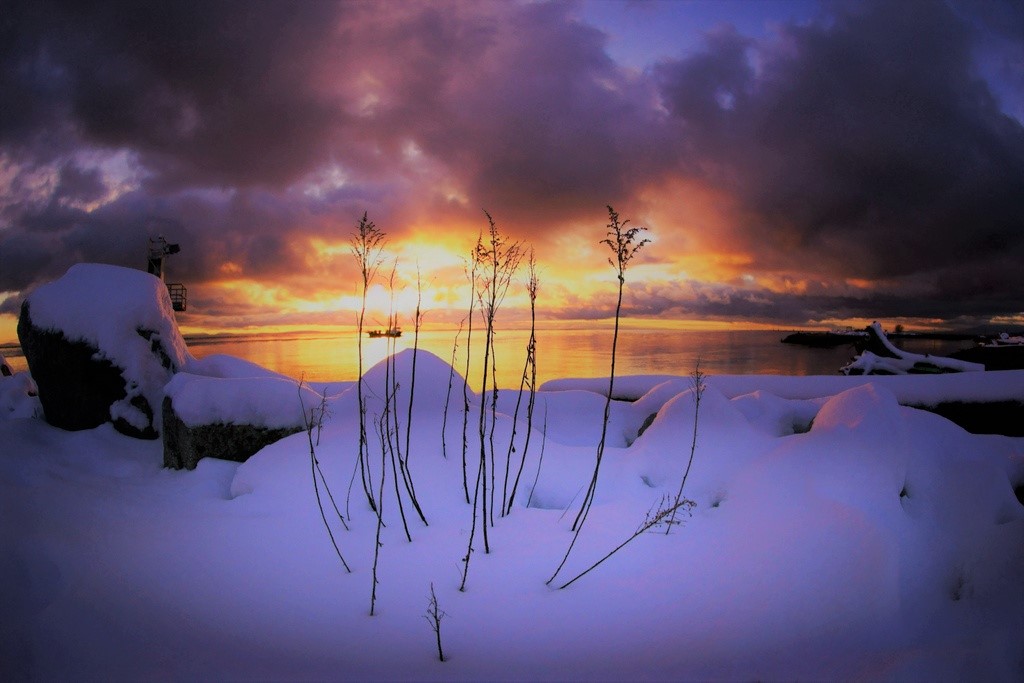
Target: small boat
x: 389, y: 332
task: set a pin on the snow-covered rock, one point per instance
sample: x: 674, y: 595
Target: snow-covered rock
x: 230, y: 417
x: 101, y: 342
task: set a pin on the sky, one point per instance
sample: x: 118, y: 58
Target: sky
x: 795, y: 163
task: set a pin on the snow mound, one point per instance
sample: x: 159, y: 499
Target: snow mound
x: 725, y: 442
x: 777, y: 416
x: 266, y: 401
x: 223, y: 365
x: 675, y: 421
x: 431, y: 383
x: 859, y: 405
x: 573, y: 417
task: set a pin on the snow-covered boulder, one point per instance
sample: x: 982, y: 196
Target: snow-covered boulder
x: 230, y: 418
x: 101, y: 342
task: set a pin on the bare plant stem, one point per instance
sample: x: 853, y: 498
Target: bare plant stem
x: 650, y: 523
x: 697, y: 380
x: 540, y: 459
x: 406, y: 471
x: 314, y: 419
x: 367, y: 245
x: 472, y: 531
x: 434, y: 616
x: 505, y: 507
x: 623, y: 242
x: 482, y: 472
x: 531, y: 368
x: 382, y: 427
x: 448, y: 395
x: 471, y: 274
x: 330, y: 496
x: 666, y: 514
x: 588, y: 498
x: 395, y: 477
x: 494, y: 422
x: 391, y: 412
x: 499, y: 260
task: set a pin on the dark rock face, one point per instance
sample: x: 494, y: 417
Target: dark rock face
x: 76, y: 387
x: 993, y: 357
x: 184, y: 446
x: 994, y: 417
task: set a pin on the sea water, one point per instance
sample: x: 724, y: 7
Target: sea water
x: 559, y: 353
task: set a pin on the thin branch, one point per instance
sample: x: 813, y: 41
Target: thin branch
x: 540, y: 460
x: 367, y: 246
x: 650, y: 523
x: 434, y: 616
x: 697, y: 380
x: 314, y: 419
x: 624, y: 243
x: 448, y: 395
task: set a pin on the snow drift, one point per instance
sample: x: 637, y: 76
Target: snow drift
x: 836, y: 534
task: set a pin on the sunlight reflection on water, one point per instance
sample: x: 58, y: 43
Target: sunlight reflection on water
x: 560, y: 353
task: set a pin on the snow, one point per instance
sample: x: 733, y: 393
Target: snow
x: 837, y: 534
x: 264, y: 401
x: 18, y: 396
x: 981, y: 387
x: 124, y: 313
x: 105, y: 306
x: 898, y: 362
x: 228, y: 390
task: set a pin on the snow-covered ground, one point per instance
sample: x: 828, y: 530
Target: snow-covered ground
x: 836, y: 535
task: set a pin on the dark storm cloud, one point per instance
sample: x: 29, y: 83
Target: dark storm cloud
x: 726, y: 302
x: 544, y: 124
x: 207, y: 92
x: 861, y: 146
x: 518, y: 108
x: 865, y: 146
x: 80, y: 185
x: 260, y: 234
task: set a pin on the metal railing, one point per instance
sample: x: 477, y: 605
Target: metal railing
x: 179, y: 295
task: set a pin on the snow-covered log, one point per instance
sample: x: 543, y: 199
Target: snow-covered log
x: 881, y: 357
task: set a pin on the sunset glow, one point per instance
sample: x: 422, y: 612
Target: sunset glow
x: 798, y: 164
